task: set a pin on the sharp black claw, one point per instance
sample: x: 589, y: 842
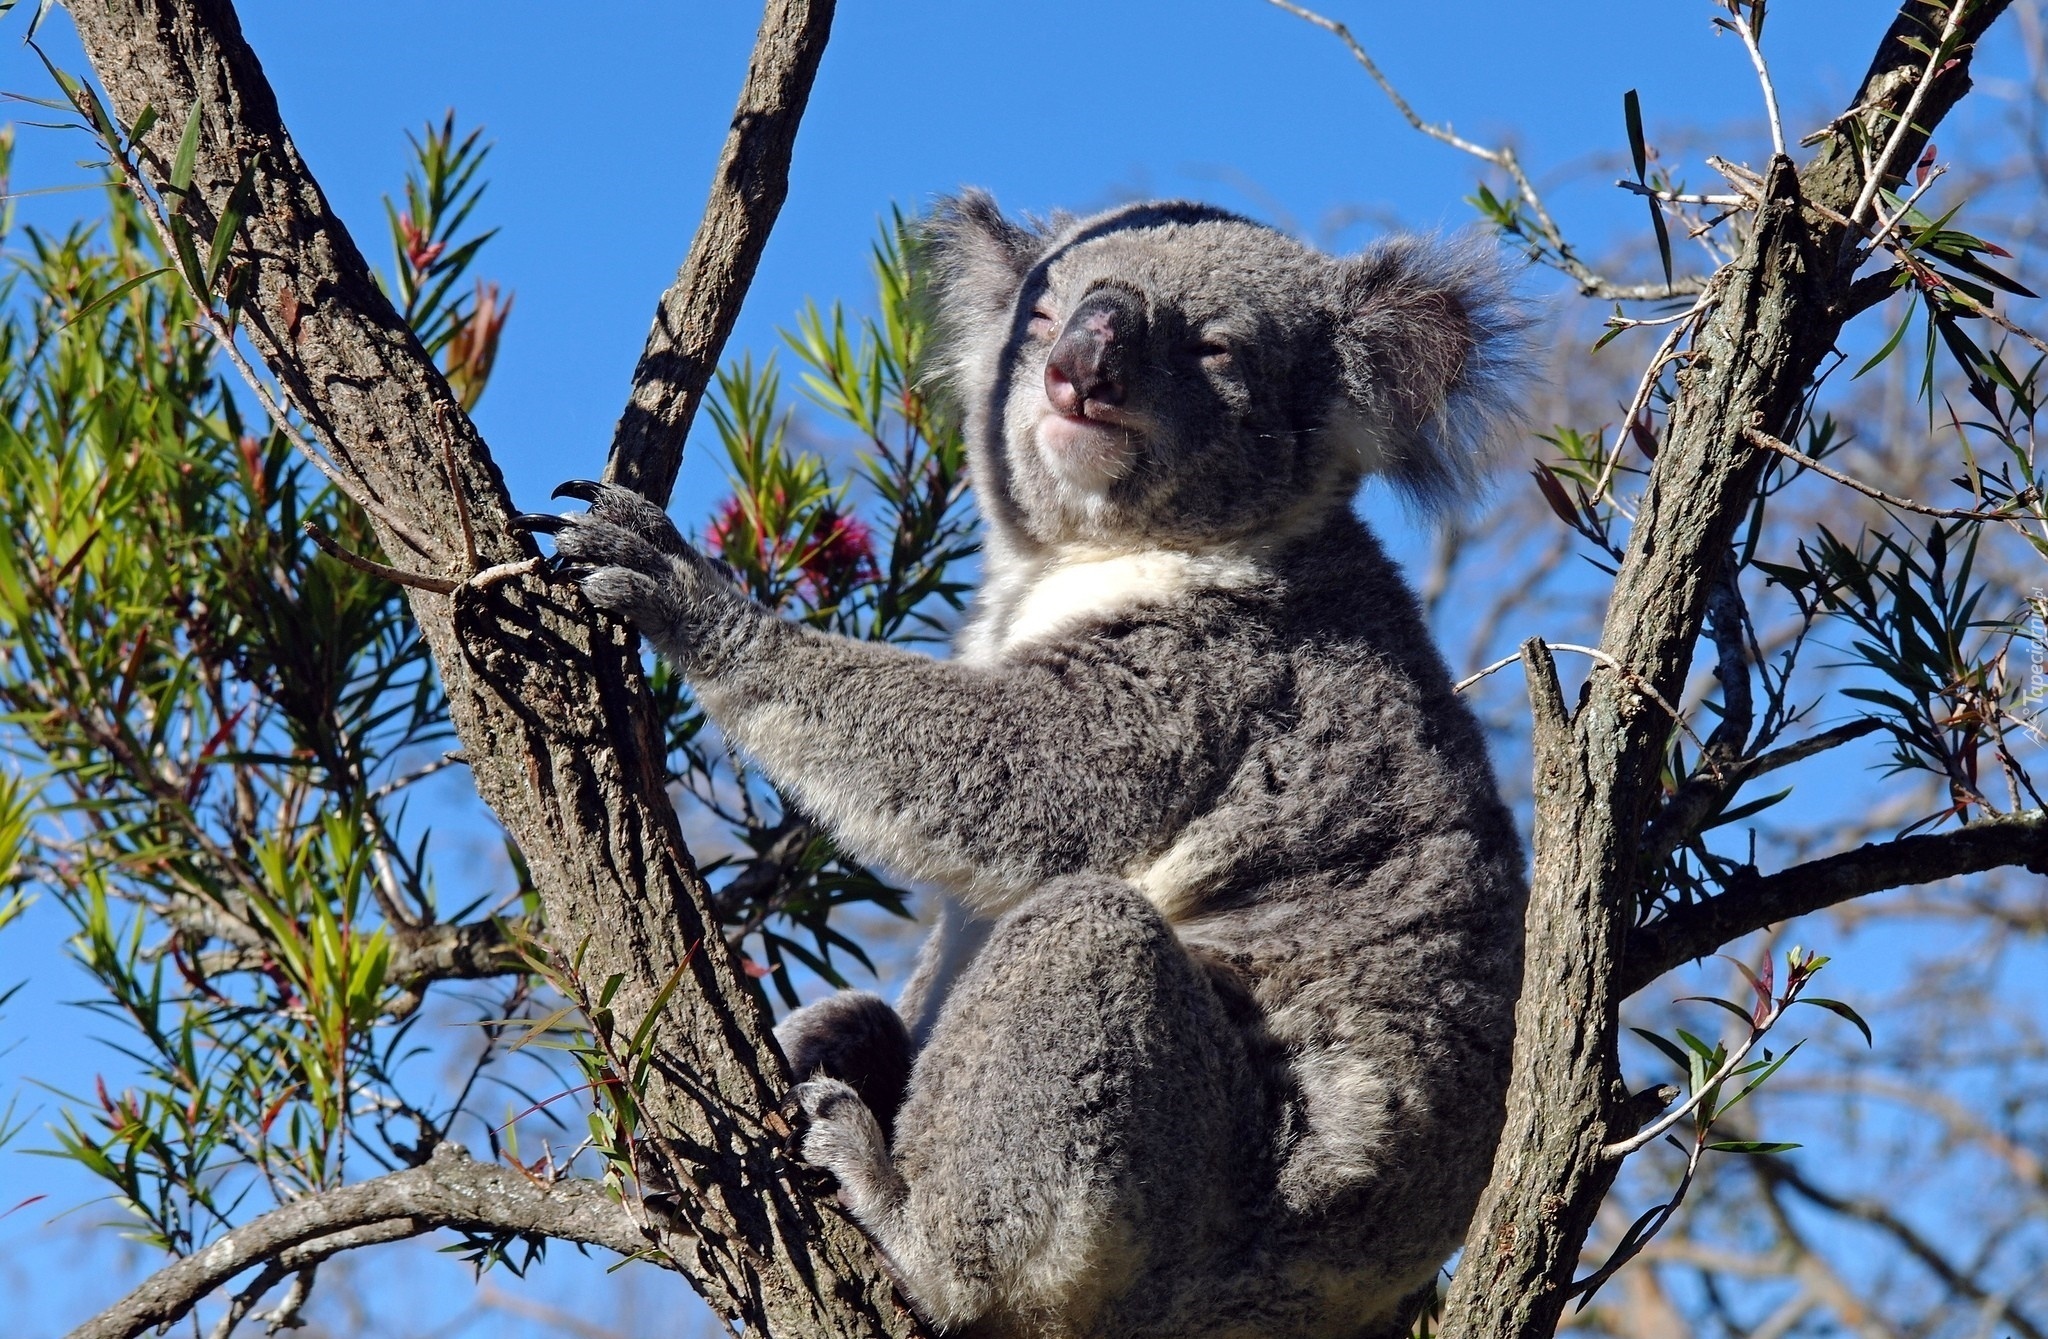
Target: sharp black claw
x: 539, y: 522
x: 573, y: 571
x: 583, y: 490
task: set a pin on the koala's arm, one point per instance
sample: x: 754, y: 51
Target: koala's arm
x: 987, y: 779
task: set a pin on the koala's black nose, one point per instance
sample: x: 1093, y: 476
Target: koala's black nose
x: 1090, y: 361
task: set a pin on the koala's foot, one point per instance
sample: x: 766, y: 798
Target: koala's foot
x: 853, y: 1036
x: 632, y: 561
x: 845, y: 1139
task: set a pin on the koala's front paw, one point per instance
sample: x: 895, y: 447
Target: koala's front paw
x: 632, y: 561
x: 845, y: 1139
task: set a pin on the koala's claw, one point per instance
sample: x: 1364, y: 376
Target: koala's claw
x: 539, y: 522
x: 583, y: 490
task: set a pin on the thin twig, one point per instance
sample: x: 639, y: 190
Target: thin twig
x: 355, y: 490
x: 1682, y: 197
x: 1590, y: 283
x: 1667, y: 349
x: 1890, y: 225
x: 1763, y: 76
x: 1625, y: 674
x: 328, y: 546
x: 1757, y: 437
x: 392, y: 787
x: 1904, y: 126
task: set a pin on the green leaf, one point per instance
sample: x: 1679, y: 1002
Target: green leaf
x: 1632, y: 112
x: 42, y: 12
x: 1671, y: 1052
x: 231, y: 215
x: 661, y: 998
x: 188, y: 151
x: 1889, y: 344
x: 188, y: 257
x: 1742, y: 811
x: 1663, y: 237
x: 115, y: 293
x: 1841, y: 1010
x: 143, y: 122
x: 1730, y: 1005
x: 1751, y: 1146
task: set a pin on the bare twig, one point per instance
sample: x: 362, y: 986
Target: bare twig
x: 1747, y: 33
x: 1591, y: 284
x: 1683, y: 197
x: 418, y: 580
x: 450, y: 759
x: 1594, y: 653
x: 1890, y: 225
x: 1881, y: 167
x: 1769, y: 443
x: 449, y: 1191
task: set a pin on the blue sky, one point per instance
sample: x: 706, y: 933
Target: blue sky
x: 608, y: 116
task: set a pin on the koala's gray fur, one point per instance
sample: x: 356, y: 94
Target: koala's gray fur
x: 1215, y: 1036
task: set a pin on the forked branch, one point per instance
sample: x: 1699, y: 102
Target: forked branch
x: 450, y: 1191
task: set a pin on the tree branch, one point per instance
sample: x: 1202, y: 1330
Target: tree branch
x: 696, y: 313
x: 449, y: 1191
x: 548, y: 700
x: 1754, y: 900
x: 1779, y: 306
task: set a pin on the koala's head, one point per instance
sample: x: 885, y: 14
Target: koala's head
x: 1173, y: 373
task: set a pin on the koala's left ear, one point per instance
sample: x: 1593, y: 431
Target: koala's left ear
x: 973, y: 259
x: 1434, y: 353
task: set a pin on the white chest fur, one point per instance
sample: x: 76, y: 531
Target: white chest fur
x: 1026, y: 602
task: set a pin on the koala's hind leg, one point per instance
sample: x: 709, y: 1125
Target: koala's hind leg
x: 1081, y: 1135
x: 855, y: 1037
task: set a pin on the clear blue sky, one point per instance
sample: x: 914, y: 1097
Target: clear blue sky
x: 607, y: 118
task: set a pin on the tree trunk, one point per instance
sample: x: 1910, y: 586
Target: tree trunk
x: 1777, y: 310
x: 547, y: 698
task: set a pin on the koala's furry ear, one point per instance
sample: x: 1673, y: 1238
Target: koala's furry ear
x: 973, y: 258
x: 1435, y: 355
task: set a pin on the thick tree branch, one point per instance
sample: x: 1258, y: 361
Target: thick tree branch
x: 1780, y: 305
x: 548, y: 700
x: 697, y: 311
x: 449, y: 1191
x: 1757, y: 900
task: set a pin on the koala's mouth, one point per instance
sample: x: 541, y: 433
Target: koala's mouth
x: 1089, y: 451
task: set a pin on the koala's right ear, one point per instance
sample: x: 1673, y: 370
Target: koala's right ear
x: 974, y: 259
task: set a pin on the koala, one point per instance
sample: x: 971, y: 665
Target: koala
x: 1213, y: 1035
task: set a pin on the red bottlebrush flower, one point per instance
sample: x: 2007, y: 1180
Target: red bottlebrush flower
x: 419, y: 253
x: 843, y: 555
x: 473, y: 346
x: 720, y: 534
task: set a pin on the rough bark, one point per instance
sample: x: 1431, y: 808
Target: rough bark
x: 548, y: 699
x: 696, y: 313
x: 448, y: 1191
x: 1779, y: 306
